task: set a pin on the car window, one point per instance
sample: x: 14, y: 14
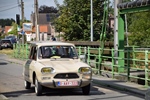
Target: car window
x: 59, y: 51
x: 33, y: 53
x: 12, y: 38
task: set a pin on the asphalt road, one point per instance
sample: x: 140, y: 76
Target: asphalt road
x: 12, y: 86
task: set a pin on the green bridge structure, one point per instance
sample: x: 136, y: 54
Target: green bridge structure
x: 133, y: 61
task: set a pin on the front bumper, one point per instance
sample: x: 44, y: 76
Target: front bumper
x: 56, y: 83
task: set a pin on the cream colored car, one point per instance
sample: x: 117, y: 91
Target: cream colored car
x: 55, y: 64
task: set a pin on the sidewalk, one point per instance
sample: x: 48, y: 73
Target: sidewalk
x: 120, y: 85
x: 108, y: 82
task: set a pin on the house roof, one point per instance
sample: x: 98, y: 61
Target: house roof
x: 43, y: 29
x: 7, y: 28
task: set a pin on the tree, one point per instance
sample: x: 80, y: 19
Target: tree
x: 6, y: 22
x: 46, y: 9
x: 140, y: 29
x: 74, y: 19
x: 14, y: 30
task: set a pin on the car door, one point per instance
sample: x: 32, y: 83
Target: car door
x: 33, y: 61
x: 29, y: 66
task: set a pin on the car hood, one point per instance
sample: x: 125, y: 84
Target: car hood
x: 70, y: 65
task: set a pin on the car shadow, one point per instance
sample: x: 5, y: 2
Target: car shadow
x: 3, y: 63
x: 18, y: 93
x: 53, y: 92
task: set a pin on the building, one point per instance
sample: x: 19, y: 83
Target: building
x: 45, y: 27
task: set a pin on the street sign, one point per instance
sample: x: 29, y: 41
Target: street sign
x: 27, y: 26
x: 22, y: 32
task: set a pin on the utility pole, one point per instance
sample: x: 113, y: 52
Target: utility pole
x: 36, y: 19
x: 22, y: 18
x: 22, y: 10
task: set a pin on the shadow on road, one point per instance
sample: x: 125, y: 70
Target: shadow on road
x: 3, y: 63
x: 53, y: 92
x: 18, y: 93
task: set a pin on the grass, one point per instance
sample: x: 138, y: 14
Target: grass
x: 6, y: 51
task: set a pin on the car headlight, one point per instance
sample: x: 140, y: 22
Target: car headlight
x: 85, y: 70
x: 47, y: 70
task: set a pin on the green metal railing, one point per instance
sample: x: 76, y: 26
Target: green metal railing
x: 136, y: 61
x: 21, y: 51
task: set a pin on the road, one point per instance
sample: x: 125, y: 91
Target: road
x: 12, y: 86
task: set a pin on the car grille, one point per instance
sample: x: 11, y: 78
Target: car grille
x: 66, y: 76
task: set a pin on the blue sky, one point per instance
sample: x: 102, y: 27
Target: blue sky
x: 9, y: 9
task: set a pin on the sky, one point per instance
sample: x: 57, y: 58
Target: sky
x: 9, y: 8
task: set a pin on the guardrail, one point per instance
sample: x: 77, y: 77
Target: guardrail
x: 135, y: 68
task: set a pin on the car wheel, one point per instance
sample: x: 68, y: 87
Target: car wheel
x: 38, y: 88
x: 86, y: 89
x: 27, y: 84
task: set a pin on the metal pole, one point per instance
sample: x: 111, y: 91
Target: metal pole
x: 126, y: 29
x: 91, y: 20
x: 116, y: 28
x: 36, y: 19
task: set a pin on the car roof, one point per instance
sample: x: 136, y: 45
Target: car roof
x: 5, y: 39
x: 42, y: 43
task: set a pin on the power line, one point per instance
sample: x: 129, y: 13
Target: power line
x: 3, y: 6
x: 9, y: 8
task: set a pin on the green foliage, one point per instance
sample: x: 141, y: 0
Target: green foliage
x: 6, y: 22
x: 14, y: 29
x: 46, y: 9
x: 126, y: 0
x: 140, y: 29
x: 74, y: 19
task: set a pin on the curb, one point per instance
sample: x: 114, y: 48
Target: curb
x: 2, y: 97
x: 122, y: 88
x: 20, y: 62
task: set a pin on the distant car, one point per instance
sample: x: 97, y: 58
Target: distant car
x: 56, y: 65
x: 6, y: 43
x: 12, y: 38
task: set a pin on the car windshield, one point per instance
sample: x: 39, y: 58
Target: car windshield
x: 8, y: 37
x: 6, y: 41
x: 57, y: 52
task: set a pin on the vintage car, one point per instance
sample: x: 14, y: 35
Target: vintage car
x: 56, y: 65
x: 6, y: 43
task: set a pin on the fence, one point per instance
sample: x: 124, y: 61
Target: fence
x: 136, y: 61
x: 21, y: 51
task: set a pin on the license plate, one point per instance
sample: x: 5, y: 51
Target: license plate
x: 68, y: 83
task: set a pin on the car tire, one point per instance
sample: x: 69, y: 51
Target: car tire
x: 38, y: 87
x: 27, y: 85
x: 86, y: 89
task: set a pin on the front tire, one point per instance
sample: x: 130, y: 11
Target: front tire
x: 27, y: 85
x: 38, y: 87
x: 86, y: 89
